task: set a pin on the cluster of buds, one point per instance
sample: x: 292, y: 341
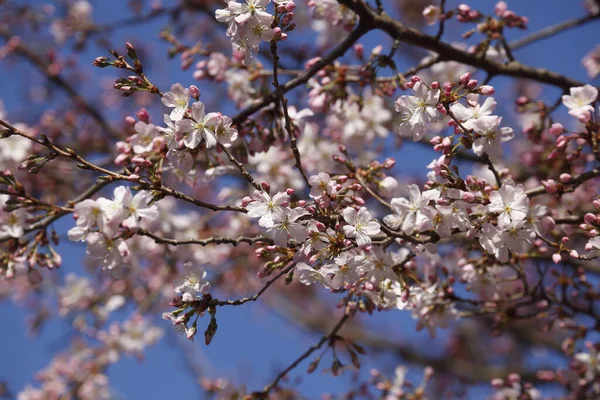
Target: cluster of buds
x: 132, y: 83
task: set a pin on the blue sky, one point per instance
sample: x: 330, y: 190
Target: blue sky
x: 252, y: 343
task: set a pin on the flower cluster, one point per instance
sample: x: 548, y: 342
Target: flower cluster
x: 99, y: 223
x: 247, y: 25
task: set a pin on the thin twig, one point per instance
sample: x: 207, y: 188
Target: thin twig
x: 204, y: 242
x: 443, y: 21
x: 286, y: 115
x: 240, y: 167
x: 119, y: 176
x: 239, y: 302
x: 305, y: 355
x: 42, y: 66
x: 553, y: 30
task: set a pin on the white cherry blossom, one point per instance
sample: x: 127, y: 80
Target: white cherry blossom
x: 360, y: 225
x: 510, y: 201
x: 308, y: 275
x: 177, y: 99
x: 193, y: 283
x: 264, y: 207
x: 201, y: 126
x: 579, y: 101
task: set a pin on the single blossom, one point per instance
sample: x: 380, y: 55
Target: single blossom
x: 285, y: 223
x: 360, y: 225
x: 177, y: 99
x: 473, y: 112
x: 143, y: 140
x: 510, y: 201
x: 579, y: 101
x: 193, y: 283
x: 264, y: 207
x: 308, y: 275
x: 201, y: 126
x: 345, y: 268
x: 490, y: 135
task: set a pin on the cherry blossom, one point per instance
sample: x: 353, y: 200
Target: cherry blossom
x: 579, y: 101
x: 511, y: 202
x: 360, y: 225
x: 264, y: 207
x: 177, y: 99
x: 345, y: 269
x: 489, y: 135
x: 285, y: 223
x: 308, y: 275
x: 474, y: 112
x: 193, y: 282
x: 414, y: 213
x: 142, y: 142
x: 201, y: 126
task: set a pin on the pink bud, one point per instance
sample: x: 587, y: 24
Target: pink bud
x: 266, y: 187
x: 359, y: 50
x: 129, y: 120
x: 472, y: 84
x: 565, y: 178
x: 246, y: 200
x: 289, y: 191
x: 435, y: 85
x: 573, y: 253
x: 141, y: 162
x: 550, y: 185
x: 389, y: 163
x: 556, y: 129
x: 486, y: 90
x: 500, y: 8
x: 464, y: 78
x: 191, y: 332
x: 121, y: 159
x: 195, y: 92
x: 556, y: 258
x: 521, y: 101
x: 310, y: 63
x: 376, y: 51
x: 468, y: 197
x: 143, y: 115
x: 464, y: 8
x: 590, y: 219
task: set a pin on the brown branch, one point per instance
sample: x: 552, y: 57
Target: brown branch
x: 118, y: 176
x: 573, y: 183
x: 396, y: 30
x: 204, y: 242
x: 553, y: 30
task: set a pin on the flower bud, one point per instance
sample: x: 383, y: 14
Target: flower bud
x: 195, y: 92
x: 486, y: 90
x: 556, y: 129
